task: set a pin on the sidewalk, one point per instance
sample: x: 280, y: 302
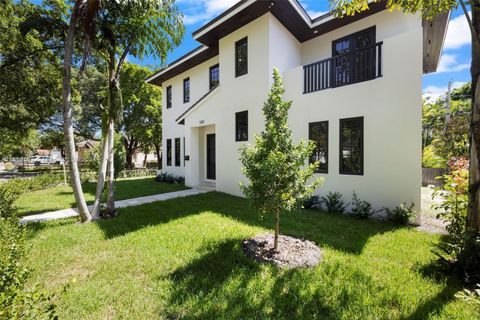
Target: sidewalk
x: 72, y: 212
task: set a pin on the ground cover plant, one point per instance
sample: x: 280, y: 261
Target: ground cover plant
x: 182, y: 258
x: 61, y: 197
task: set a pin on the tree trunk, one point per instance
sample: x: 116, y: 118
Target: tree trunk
x: 102, y: 171
x: 473, y: 213
x: 111, y: 211
x: 67, y: 119
x: 277, y: 230
x: 159, y: 156
x: 130, y: 145
x: 470, y: 257
x: 145, y: 159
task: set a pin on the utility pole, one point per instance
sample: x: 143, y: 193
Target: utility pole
x: 448, y: 102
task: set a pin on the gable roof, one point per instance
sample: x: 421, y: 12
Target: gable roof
x: 294, y: 18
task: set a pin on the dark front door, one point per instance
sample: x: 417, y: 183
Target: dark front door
x: 211, y: 156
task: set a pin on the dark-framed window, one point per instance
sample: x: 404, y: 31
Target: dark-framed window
x: 318, y: 133
x: 169, y: 97
x: 356, y: 57
x: 351, y: 146
x: 214, y: 76
x: 241, y: 57
x: 186, y: 90
x: 169, y: 152
x: 241, y: 126
x: 177, y: 152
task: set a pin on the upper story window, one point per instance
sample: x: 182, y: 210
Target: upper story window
x: 214, y: 76
x: 354, y: 58
x: 169, y: 97
x: 241, y: 126
x: 169, y: 152
x: 186, y: 90
x: 351, y: 146
x: 318, y: 133
x: 241, y: 57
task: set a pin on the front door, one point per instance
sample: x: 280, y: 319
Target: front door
x: 211, y: 156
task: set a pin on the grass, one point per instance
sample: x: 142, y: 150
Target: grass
x: 182, y: 258
x: 61, y: 197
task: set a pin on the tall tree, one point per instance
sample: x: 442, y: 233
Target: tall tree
x: 274, y: 165
x: 429, y: 9
x: 139, y: 98
x: 30, y: 67
x: 136, y: 28
x: 84, y: 13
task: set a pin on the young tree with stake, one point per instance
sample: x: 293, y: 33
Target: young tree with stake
x: 277, y: 169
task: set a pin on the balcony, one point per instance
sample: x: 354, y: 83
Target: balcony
x: 348, y: 68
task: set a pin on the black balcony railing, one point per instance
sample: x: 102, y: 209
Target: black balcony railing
x: 344, y: 69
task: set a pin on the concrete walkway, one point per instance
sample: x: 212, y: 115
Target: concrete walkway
x: 72, y: 212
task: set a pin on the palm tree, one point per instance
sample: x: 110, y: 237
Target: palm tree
x: 83, y: 13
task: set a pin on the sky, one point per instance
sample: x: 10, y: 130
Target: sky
x: 454, y: 62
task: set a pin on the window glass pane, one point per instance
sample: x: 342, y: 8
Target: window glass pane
x: 241, y: 126
x: 177, y: 152
x: 351, y: 146
x: 214, y: 76
x: 169, y: 97
x: 241, y: 57
x: 318, y: 133
x: 169, y: 152
x: 186, y: 90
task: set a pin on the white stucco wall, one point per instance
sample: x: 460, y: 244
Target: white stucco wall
x: 391, y: 107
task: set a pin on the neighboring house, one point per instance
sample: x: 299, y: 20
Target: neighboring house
x: 138, y: 158
x: 355, y: 83
x: 83, y: 147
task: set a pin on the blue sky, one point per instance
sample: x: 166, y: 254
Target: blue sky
x: 454, y: 63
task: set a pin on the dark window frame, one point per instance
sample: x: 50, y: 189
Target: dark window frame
x: 186, y: 90
x: 343, y: 170
x: 178, y: 152
x: 310, y: 131
x: 184, y: 151
x: 211, y: 80
x: 238, y: 44
x: 169, y: 97
x: 347, y: 68
x: 169, y: 152
x: 243, y: 135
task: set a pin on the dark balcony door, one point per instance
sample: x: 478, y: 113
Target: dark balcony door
x: 211, y: 174
x: 354, y: 58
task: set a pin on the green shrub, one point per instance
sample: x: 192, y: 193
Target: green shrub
x: 170, y: 178
x: 313, y: 202
x: 17, y: 301
x: 361, y: 209
x: 401, y: 214
x: 431, y: 160
x: 470, y: 296
x: 152, y: 165
x: 137, y: 173
x: 333, y: 202
x: 453, y: 209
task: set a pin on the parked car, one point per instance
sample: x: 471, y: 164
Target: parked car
x: 44, y: 160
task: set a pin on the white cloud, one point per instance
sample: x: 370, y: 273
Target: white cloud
x: 458, y: 33
x: 314, y: 14
x: 202, y: 10
x: 435, y: 92
x: 449, y: 63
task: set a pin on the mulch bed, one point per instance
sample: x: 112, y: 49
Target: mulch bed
x: 292, y: 252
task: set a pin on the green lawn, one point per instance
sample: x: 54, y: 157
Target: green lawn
x: 182, y: 258
x: 61, y: 197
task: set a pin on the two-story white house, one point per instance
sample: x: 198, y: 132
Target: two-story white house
x: 355, y: 83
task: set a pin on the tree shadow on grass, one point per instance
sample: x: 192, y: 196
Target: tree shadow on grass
x: 224, y: 284
x: 338, y: 231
